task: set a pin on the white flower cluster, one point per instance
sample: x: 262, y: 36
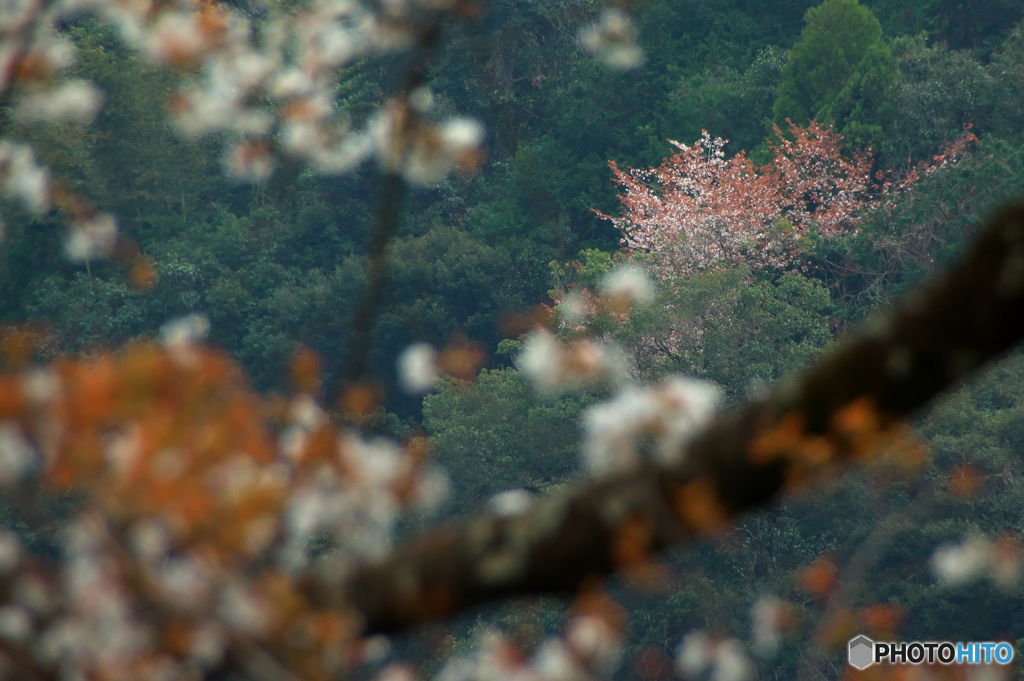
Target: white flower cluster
x: 182, y: 336
x: 268, y: 90
x: 766, y: 618
x: 31, y: 51
x: 612, y: 41
x: 552, y: 365
x: 618, y: 292
x: 92, y: 238
x: 511, y: 502
x: 589, y: 649
x: 726, y: 660
x: 98, y: 627
x: 672, y: 412
x: 16, y: 453
x: 279, y: 89
x: 89, y: 623
x: 186, y: 537
x: 22, y: 178
x: 357, y: 497
x: 417, y: 369
x: 422, y: 152
x: 75, y: 100
x: 628, y: 283
x: 976, y: 557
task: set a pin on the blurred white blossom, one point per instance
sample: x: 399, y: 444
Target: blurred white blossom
x: 551, y: 364
x: 249, y: 161
x: 955, y: 564
x: 422, y: 152
x: 15, y: 623
x: 359, y: 507
x: 182, y: 335
x: 306, y: 417
x: 375, y: 648
x: 421, y: 99
x: 511, y: 502
x: 91, y: 239
x: 304, y: 411
x: 22, y: 178
x: 432, y: 490
x: 186, y: 582
x: 330, y: 149
x: 673, y: 412
x: 417, y: 368
x: 766, y: 615
x: 208, y: 644
x: 590, y: 649
x: 243, y: 610
x: 731, y: 662
x: 541, y: 359
x: 576, y: 307
x: 594, y: 640
x: 189, y: 329
x: 75, y: 100
x: 612, y: 41
x: 727, y: 659
x: 10, y: 552
x: 150, y: 540
x: 16, y: 453
x: 31, y: 591
x: 14, y: 14
x: 39, y: 385
x: 976, y: 557
x: 695, y: 654
x: 629, y: 283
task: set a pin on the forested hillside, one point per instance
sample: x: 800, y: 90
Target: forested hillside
x: 924, y: 99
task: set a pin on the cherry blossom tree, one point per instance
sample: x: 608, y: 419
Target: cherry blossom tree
x: 701, y: 210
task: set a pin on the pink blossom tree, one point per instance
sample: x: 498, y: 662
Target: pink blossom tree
x: 701, y: 210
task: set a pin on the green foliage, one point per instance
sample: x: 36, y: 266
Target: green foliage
x: 937, y: 92
x: 585, y: 272
x: 733, y: 329
x: 1006, y: 93
x: 863, y: 108
x: 731, y: 104
x: 838, y: 72
x: 495, y: 434
x: 980, y: 25
x: 925, y: 232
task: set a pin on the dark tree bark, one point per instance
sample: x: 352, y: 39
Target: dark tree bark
x: 844, y: 409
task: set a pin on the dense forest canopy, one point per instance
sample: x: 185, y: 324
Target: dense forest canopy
x: 606, y: 220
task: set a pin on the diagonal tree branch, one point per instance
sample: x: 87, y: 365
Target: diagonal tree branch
x: 844, y: 409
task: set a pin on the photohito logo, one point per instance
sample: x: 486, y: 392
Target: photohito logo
x: 864, y: 652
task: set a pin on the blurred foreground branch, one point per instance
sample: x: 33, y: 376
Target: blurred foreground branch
x: 847, y: 408
x: 393, y: 193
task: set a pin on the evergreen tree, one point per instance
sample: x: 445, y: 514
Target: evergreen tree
x: 838, y: 72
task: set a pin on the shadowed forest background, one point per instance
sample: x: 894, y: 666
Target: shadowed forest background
x: 278, y: 267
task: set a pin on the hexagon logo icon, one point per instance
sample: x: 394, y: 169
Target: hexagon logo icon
x: 862, y: 652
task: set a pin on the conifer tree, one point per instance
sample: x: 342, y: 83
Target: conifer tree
x: 838, y: 72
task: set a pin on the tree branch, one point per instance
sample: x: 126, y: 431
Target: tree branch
x: 843, y: 409
x: 388, y: 214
